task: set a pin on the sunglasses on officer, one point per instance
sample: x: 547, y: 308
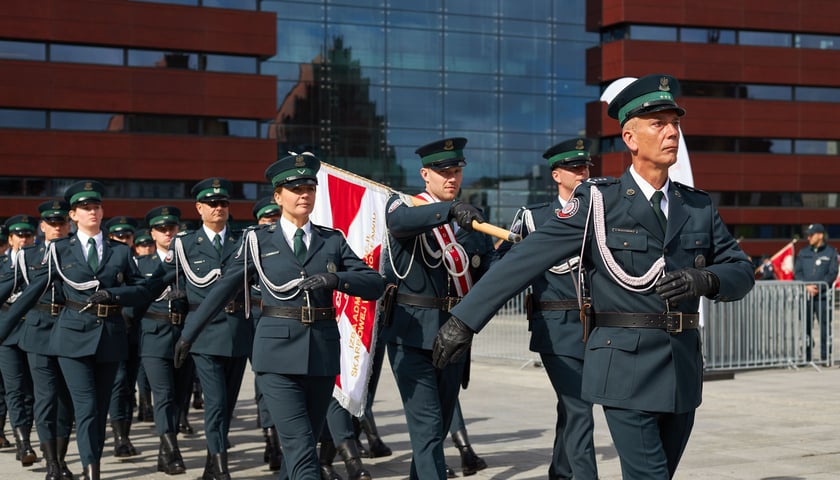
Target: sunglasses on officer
x: 122, y: 234
x: 217, y: 203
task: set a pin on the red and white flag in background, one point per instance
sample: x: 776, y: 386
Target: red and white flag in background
x: 783, y: 263
x: 356, y: 206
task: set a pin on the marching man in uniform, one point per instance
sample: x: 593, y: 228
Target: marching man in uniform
x: 652, y: 248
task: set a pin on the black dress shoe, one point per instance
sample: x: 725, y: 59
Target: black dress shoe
x: 450, y: 473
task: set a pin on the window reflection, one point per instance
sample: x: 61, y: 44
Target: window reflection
x: 707, y: 35
x: 15, y: 118
x: 80, y: 121
x: 470, y: 110
x: 84, y: 54
x: 650, y: 32
x: 14, y: 50
x: 415, y: 49
x: 471, y: 53
x: 525, y: 113
x: 822, y: 42
x: 766, y: 39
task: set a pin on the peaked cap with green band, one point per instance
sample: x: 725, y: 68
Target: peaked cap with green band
x: 163, y: 215
x: 143, y: 237
x: 265, y: 206
x: 121, y: 224
x: 85, y: 191
x: 652, y: 93
x: 443, y: 154
x: 570, y: 153
x: 20, y: 224
x: 54, y: 210
x: 212, y: 189
x: 294, y: 170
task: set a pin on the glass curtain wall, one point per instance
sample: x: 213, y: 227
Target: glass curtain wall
x: 363, y: 83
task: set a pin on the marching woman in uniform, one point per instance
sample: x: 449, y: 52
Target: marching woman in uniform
x: 97, y: 277
x: 296, y: 346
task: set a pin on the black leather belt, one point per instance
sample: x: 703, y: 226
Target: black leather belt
x: 173, y: 318
x: 100, y: 310
x: 558, y: 305
x: 446, y: 303
x: 306, y: 315
x: 231, y: 307
x: 674, y: 322
x: 53, y: 309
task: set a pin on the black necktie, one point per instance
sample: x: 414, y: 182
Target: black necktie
x: 217, y: 242
x: 93, y: 257
x: 300, y: 247
x: 656, y: 204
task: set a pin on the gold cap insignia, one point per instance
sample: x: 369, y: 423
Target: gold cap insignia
x: 663, y: 85
x: 56, y: 206
x: 216, y: 183
x: 579, y: 144
x: 300, y: 161
x: 448, y: 145
x: 88, y: 186
x: 123, y: 220
x: 24, y: 219
x: 164, y: 211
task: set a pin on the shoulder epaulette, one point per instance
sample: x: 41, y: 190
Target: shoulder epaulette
x: 602, y: 180
x: 328, y: 230
x: 690, y: 189
x: 535, y: 206
x: 184, y: 233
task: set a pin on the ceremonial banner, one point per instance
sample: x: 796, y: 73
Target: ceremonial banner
x: 356, y: 206
x: 783, y: 262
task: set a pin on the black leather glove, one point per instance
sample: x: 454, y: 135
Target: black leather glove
x: 686, y: 284
x: 319, y: 280
x: 464, y: 214
x: 175, y: 295
x: 177, y: 301
x: 182, y: 351
x: 102, y: 297
x: 452, y: 341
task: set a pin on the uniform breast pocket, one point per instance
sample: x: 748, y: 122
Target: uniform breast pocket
x: 611, y: 362
x: 630, y: 250
x: 695, y: 241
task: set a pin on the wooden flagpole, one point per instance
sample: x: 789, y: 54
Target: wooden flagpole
x: 483, y: 227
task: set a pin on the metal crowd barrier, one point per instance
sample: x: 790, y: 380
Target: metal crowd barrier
x: 767, y: 328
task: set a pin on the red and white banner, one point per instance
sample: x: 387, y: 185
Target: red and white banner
x: 356, y: 206
x: 783, y: 262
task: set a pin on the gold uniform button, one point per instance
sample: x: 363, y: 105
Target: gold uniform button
x: 626, y: 244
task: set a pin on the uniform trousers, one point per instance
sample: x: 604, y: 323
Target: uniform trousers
x: 90, y: 384
x: 221, y: 378
x: 18, y: 385
x: 428, y: 397
x: 649, y: 444
x: 123, y: 393
x: 298, y: 405
x: 574, y: 448
x: 169, y: 386
x: 53, y: 409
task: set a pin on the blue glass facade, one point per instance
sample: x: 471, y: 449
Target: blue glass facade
x: 364, y: 83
